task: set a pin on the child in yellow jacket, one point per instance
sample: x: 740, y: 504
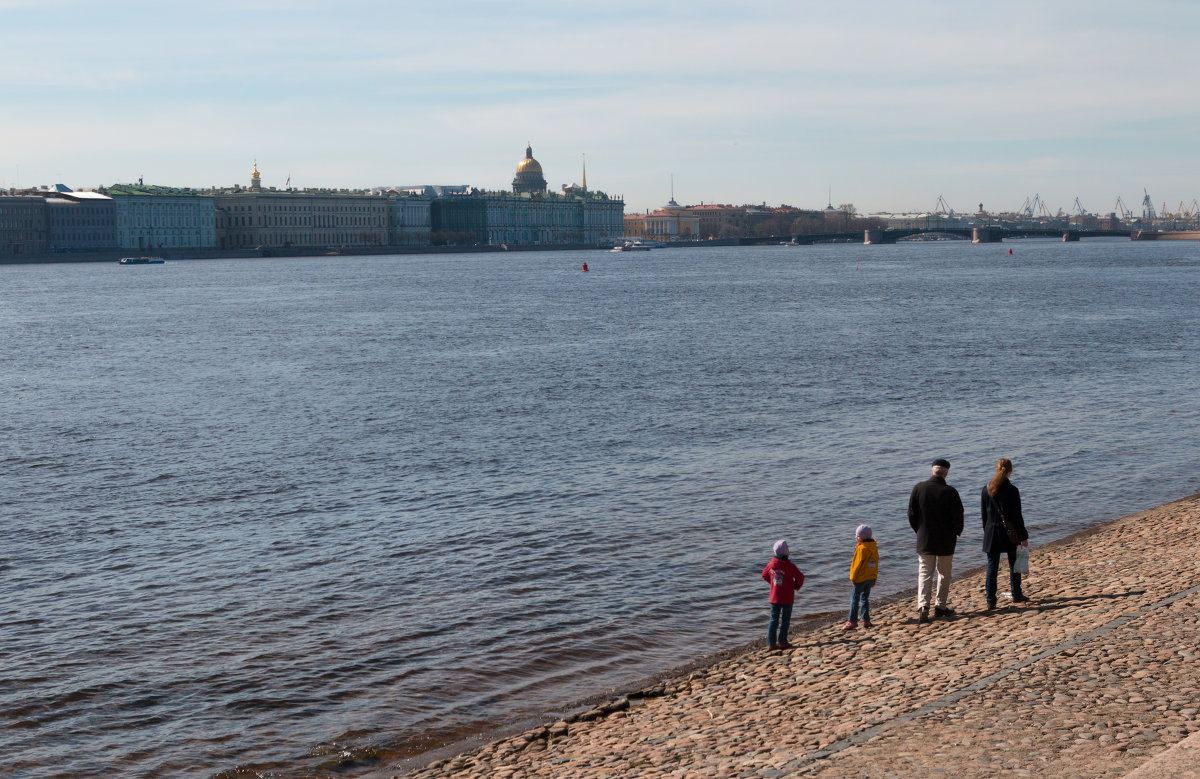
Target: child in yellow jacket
x: 863, y: 572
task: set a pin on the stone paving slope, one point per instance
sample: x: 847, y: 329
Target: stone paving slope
x: 1181, y: 761
x: 1096, y: 675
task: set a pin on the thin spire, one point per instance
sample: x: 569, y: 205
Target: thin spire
x: 584, y: 155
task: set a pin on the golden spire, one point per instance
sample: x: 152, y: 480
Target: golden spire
x: 584, y: 155
x: 254, y: 174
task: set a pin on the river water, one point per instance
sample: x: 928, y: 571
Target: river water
x: 305, y: 517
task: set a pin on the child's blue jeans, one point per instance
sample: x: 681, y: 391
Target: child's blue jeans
x: 859, y: 603
x: 781, y: 615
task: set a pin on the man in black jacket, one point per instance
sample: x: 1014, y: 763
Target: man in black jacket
x: 936, y: 514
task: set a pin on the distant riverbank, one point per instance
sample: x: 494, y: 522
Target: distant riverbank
x: 251, y: 254
x: 313, y: 251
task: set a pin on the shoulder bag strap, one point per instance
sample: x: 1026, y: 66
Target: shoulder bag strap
x: 1009, y: 529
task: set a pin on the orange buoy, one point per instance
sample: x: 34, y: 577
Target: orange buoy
x: 585, y: 267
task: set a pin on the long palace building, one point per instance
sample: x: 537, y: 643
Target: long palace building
x: 274, y: 219
x: 138, y: 217
x: 530, y: 214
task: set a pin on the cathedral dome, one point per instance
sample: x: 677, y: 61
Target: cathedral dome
x: 529, y: 176
x: 529, y: 165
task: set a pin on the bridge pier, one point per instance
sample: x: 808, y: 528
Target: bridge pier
x: 872, y: 236
x: 984, y: 235
x: 1070, y: 237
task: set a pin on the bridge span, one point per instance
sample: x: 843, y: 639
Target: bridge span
x: 990, y: 234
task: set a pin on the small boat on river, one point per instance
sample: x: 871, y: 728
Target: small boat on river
x: 141, y: 261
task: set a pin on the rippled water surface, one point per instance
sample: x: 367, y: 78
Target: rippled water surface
x: 258, y: 514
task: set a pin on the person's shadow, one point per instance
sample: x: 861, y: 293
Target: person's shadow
x: 1056, y: 604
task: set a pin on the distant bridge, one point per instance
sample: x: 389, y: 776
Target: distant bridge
x: 975, y: 234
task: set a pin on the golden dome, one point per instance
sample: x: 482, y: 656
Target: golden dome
x: 529, y: 165
x: 254, y: 173
x: 529, y: 176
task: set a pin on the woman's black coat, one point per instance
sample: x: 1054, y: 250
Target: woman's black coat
x: 995, y: 540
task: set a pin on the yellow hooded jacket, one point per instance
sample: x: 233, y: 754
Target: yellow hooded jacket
x: 866, y: 562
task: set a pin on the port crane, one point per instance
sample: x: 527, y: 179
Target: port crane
x: 1185, y: 210
x: 1148, y: 206
x: 1079, y: 207
x: 1122, y: 209
x: 1033, y: 207
x: 943, y: 207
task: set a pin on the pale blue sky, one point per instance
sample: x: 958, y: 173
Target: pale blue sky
x: 890, y: 104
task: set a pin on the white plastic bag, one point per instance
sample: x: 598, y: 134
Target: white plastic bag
x: 1021, y: 565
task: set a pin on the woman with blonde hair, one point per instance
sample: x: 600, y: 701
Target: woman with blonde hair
x: 1003, y: 529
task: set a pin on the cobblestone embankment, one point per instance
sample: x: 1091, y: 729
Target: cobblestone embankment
x: 1097, y: 675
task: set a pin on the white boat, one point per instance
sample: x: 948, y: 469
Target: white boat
x: 141, y: 261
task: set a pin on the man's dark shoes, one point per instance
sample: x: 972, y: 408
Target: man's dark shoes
x: 923, y: 616
x: 943, y: 611
x: 991, y: 605
x: 1019, y: 598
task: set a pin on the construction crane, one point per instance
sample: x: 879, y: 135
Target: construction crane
x: 943, y: 207
x: 1148, y: 206
x: 1191, y: 211
x: 1122, y: 209
x: 1079, y: 207
x: 1035, y: 207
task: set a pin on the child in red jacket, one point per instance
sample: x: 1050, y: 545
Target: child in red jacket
x: 784, y: 578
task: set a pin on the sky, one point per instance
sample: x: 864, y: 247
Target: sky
x: 884, y: 105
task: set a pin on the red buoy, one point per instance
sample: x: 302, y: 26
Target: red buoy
x: 1010, y: 251
x: 585, y: 267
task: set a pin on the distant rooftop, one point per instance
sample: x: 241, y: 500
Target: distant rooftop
x: 427, y: 190
x: 147, y: 189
